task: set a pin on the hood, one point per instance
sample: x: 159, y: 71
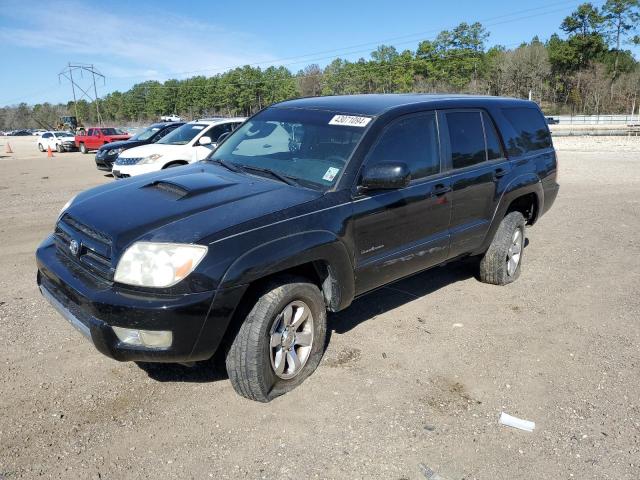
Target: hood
x: 171, y: 151
x: 118, y: 137
x: 123, y: 144
x: 184, y: 205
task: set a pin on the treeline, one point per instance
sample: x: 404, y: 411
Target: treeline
x: 583, y: 69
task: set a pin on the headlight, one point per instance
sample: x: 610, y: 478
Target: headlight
x: 67, y: 205
x: 115, y: 151
x: 149, y: 264
x: 150, y: 159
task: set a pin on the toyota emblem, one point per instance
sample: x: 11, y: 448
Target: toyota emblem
x: 74, y: 247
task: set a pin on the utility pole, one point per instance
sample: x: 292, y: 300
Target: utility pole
x: 83, y: 67
x: 73, y: 89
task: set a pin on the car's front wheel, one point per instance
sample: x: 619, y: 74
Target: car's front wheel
x: 502, y: 262
x: 281, y: 340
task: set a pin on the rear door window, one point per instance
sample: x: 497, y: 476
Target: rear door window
x: 466, y: 137
x: 412, y: 140
x: 531, y: 131
x: 494, y: 147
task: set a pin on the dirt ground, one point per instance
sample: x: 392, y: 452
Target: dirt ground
x: 413, y: 381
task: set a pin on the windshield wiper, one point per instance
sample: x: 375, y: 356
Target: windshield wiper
x: 228, y: 165
x: 285, y: 179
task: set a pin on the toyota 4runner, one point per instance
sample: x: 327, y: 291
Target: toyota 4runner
x: 306, y: 206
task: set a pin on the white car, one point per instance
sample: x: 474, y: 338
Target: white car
x: 189, y: 143
x: 170, y: 118
x: 60, y: 141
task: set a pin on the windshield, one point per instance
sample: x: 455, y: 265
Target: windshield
x: 63, y: 134
x: 146, y: 134
x: 309, y: 146
x: 183, y: 135
x: 112, y: 131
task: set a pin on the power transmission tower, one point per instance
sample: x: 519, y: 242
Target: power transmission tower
x: 67, y: 73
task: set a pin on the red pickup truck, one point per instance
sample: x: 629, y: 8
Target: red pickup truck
x: 98, y: 136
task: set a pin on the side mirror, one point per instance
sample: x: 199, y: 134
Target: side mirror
x: 223, y: 137
x: 385, y: 176
x: 204, y: 141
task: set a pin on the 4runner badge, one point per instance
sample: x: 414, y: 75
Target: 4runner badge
x: 74, y: 247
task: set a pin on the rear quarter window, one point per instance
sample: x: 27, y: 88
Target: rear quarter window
x: 531, y: 131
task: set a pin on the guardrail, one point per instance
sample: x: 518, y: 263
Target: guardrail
x: 632, y: 120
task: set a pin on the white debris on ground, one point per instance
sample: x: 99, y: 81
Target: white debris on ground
x: 515, y: 422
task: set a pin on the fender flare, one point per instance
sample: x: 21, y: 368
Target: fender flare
x: 521, y: 185
x: 292, y: 251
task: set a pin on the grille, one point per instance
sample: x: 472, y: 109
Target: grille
x: 127, y: 161
x: 94, y: 253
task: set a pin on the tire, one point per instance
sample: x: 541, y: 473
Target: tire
x: 40, y: 147
x: 502, y: 262
x: 252, y: 362
x: 173, y: 165
x: 59, y: 148
x: 83, y: 148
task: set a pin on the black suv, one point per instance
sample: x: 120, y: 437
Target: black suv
x: 107, y: 154
x: 306, y: 206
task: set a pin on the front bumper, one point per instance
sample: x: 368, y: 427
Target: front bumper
x: 198, y: 321
x: 124, y: 171
x: 105, y: 163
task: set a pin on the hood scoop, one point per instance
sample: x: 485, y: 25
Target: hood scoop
x: 189, y: 185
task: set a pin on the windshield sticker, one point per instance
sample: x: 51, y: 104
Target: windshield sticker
x: 197, y: 127
x: 331, y: 174
x: 350, y: 120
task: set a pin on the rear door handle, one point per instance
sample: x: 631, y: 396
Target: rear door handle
x: 439, y: 190
x: 500, y: 172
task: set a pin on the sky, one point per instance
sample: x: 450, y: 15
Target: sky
x: 133, y: 41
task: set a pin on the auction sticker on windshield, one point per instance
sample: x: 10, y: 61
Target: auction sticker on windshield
x: 331, y: 174
x: 350, y: 120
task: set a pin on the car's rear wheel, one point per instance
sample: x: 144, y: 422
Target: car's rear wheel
x: 281, y: 340
x: 83, y: 148
x: 502, y: 262
x: 40, y: 147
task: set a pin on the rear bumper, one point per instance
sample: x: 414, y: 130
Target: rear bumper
x: 198, y: 321
x: 550, y: 194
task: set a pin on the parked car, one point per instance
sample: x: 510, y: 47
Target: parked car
x: 20, y: 133
x: 170, y: 118
x: 60, y: 141
x: 552, y: 121
x: 108, y: 153
x: 191, y: 142
x: 96, y: 137
x: 308, y: 205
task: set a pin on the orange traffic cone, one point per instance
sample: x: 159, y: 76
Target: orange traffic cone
x: 49, y: 152
x: 8, y: 148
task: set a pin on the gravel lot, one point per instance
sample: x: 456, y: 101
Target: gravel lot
x: 415, y: 376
